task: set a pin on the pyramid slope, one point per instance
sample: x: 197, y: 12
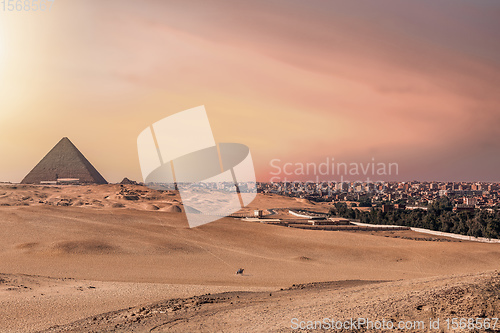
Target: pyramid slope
x: 64, y: 161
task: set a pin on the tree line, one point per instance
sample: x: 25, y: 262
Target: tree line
x: 439, y: 216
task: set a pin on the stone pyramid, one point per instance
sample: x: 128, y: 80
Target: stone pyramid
x: 64, y: 161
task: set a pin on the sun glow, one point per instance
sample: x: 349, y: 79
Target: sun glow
x: 2, y: 48
x: 3, y: 74
x: 2, y: 52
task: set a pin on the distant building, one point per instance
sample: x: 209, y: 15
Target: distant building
x: 443, y: 192
x: 387, y: 208
x: 470, y: 201
x: 400, y: 206
x: 257, y: 213
x: 64, y: 181
x: 463, y: 208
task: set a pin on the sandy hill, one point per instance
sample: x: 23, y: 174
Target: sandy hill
x: 115, y: 196
x: 47, y: 234
x: 409, y: 304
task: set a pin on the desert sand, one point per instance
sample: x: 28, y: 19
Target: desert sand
x: 81, y: 251
x: 405, y: 303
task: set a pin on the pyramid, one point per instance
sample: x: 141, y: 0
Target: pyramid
x: 64, y: 161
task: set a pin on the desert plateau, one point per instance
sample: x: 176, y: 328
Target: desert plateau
x: 122, y: 258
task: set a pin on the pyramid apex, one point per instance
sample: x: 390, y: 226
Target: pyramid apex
x: 65, y: 140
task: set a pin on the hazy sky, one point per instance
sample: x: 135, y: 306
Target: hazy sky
x: 409, y: 82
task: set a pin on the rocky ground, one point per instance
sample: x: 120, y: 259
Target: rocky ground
x: 414, y: 303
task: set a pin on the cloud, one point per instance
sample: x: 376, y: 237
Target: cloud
x: 413, y: 83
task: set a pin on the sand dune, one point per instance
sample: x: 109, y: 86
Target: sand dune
x: 136, y: 245
x: 158, y: 247
x: 410, y: 303
x: 172, y: 209
x: 69, y: 247
x: 31, y: 303
x: 91, y: 196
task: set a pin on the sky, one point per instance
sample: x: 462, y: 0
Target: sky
x: 409, y: 82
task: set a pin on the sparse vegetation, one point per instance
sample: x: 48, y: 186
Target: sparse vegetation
x: 438, y: 217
